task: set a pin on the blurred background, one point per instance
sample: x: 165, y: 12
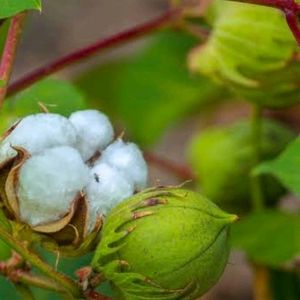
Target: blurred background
x: 154, y: 120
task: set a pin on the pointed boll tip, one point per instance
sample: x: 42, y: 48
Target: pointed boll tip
x: 233, y: 218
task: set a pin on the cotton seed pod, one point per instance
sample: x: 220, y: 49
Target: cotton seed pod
x: 42, y: 196
x: 252, y: 51
x: 222, y: 158
x: 164, y: 243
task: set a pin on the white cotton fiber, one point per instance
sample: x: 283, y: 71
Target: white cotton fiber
x: 128, y: 158
x: 38, y: 132
x: 107, y: 187
x: 49, y: 183
x: 94, y: 130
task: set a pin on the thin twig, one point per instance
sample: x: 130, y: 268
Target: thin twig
x: 9, y: 52
x: 181, y: 171
x: 86, y: 52
x: 20, y: 276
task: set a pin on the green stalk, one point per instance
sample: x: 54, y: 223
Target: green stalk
x: 37, y: 281
x: 255, y: 181
x: 261, y: 273
x: 67, y: 283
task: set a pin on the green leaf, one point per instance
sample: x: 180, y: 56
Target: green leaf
x: 57, y: 95
x: 153, y: 90
x: 5, y: 251
x: 286, y: 167
x: 284, y: 285
x: 3, y: 33
x: 8, y: 290
x: 268, y: 237
x: 4, y: 223
x: 10, y: 8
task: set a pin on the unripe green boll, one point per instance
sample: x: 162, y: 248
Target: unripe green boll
x: 222, y: 158
x: 164, y: 243
x: 252, y: 51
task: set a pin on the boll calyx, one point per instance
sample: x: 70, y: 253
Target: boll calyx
x: 164, y: 243
x: 252, y: 51
x: 222, y: 158
x: 55, y: 181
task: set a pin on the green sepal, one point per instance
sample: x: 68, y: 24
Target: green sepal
x: 151, y: 217
x: 252, y: 51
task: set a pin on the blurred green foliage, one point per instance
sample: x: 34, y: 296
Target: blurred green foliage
x: 153, y: 90
x: 222, y: 158
x: 3, y: 32
x: 285, y: 285
x: 57, y: 95
x: 285, y: 167
x: 269, y: 237
x: 13, y: 7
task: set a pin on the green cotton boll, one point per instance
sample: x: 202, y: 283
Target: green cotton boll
x: 164, y: 243
x: 222, y: 159
x: 250, y: 50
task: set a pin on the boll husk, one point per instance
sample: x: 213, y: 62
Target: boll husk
x: 32, y: 183
x: 164, y: 243
x: 222, y: 158
x: 252, y: 51
x: 59, y: 177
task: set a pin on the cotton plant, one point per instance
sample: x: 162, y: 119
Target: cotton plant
x: 52, y: 181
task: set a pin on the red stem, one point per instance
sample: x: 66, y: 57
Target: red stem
x: 181, y: 171
x: 9, y: 52
x: 96, y: 47
x: 291, y: 19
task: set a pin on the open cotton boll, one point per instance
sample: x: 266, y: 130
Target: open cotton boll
x: 128, y: 158
x: 107, y: 187
x: 49, y: 183
x: 94, y: 130
x: 38, y: 132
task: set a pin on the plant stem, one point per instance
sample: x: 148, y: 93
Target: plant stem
x: 255, y: 181
x: 24, y: 291
x: 103, y: 44
x: 9, y: 52
x: 25, y: 278
x: 261, y: 273
x: 61, y: 279
x: 261, y: 283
